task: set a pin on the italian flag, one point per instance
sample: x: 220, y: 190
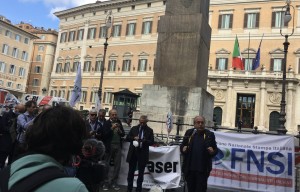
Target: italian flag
x: 237, y: 60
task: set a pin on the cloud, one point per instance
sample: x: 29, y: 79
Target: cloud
x: 53, y: 10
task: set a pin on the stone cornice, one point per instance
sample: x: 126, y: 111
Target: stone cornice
x: 15, y: 28
x: 101, y: 6
x: 222, y: 2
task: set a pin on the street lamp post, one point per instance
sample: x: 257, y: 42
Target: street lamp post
x: 286, y: 18
x: 108, y: 24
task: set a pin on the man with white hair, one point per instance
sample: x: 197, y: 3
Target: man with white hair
x: 91, y: 123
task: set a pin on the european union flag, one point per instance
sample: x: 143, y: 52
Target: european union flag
x: 257, y: 60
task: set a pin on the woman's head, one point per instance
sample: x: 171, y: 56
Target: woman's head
x: 58, y: 132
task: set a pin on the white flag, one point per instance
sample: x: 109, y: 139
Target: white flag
x: 169, y: 122
x: 98, y: 104
x: 76, y: 92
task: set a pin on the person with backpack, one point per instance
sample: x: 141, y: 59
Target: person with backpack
x: 54, y: 137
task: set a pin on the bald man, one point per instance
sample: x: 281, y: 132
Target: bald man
x: 198, y: 148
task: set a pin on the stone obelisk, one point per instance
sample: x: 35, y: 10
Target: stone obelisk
x: 181, y: 65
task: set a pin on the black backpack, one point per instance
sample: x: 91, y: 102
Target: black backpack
x: 31, y: 182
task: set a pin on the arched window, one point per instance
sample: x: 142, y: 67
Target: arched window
x: 274, y: 121
x: 218, y: 115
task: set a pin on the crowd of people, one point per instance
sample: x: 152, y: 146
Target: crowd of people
x: 57, y: 138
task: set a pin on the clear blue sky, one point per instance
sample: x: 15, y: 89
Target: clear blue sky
x: 37, y: 12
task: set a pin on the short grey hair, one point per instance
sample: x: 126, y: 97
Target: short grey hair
x: 93, y: 111
x: 198, y: 117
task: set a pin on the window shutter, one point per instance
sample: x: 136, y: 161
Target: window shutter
x: 91, y: 96
x: 245, y: 20
x: 123, y: 67
x: 127, y: 27
x: 129, y: 65
x: 231, y: 19
x: 115, y: 64
x: 220, y: 22
x: 146, y: 63
x: 299, y: 66
x: 104, y: 97
x: 150, y: 30
x: 217, y: 63
x: 257, y: 20
x: 109, y: 65
x: 120, y: 29
x: 143, y: 28
x: 139, y: 65
x: 273, y: 19
x: 134, y: 25
x: 226, y: 63
x: 272, y: 65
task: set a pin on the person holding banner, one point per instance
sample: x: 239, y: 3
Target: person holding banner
x: 198, y: 148
x: 140, y: 138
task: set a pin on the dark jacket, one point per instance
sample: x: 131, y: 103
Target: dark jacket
x: 209, y: 141
x: 148, y: 140
x: 107, y: 133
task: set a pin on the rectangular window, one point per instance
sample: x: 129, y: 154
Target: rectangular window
x: 147, y: 27
x: 75, y: 66
x: 24, y: 56
x: 80, y: 33
x: 37, y: 69
x: 248, y: 63
x: 225, y: 21
x: 87, y: 66
x: 83, y: 96
x: 58, y: 68
x: 26, y: 40
x: 142, y: 65
x: 116, y: 30
x: 41, y: 48
x: 19, y: 86
x: 93, y: 97
x: 91, y: 33
x: 15, y: 52
x: 251, y: 20
x: 21, y: 72
x: 67, y: 67
x: 276, y: 64
x: 35, y: 82
x: 126, y: 65
x: 5, y: 49
x: 9, y: 84
x: 8, y: 33
x: 112, y: 65
x: 221, y: 63
x: 130, y: 30
x: 107, y: 98
x: 2, y: 67
x: 103, y: 32
x: 277, y: 19
x: 71, y: 36
x: 12, y: 69
x: 38, y: 58
x: 98, y: 66
x: 17, y: 37
x: 299, y: 66
x: 63, y: 37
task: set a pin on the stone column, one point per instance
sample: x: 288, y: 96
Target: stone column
x: 228, y: 104
x: 262, y: 104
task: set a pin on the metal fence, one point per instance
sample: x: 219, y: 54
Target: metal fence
x: 176, y: 139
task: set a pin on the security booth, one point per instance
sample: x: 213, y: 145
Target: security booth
x: 125, y: 102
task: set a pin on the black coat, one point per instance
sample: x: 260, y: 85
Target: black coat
x: 147, y: 141
x: 209, y: 141
x: 106, y: 133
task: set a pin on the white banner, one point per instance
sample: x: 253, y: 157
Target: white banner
x: 163, y: 168
x: 76, y: 92
x: 254, y: 162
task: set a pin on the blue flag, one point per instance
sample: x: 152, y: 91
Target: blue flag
x: 257, y: 60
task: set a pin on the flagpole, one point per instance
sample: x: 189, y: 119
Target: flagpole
x: 248, y: 50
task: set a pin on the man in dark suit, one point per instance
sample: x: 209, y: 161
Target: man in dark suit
x: 140, y: 138
x: 91, y: 123
x: 198, y: 148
